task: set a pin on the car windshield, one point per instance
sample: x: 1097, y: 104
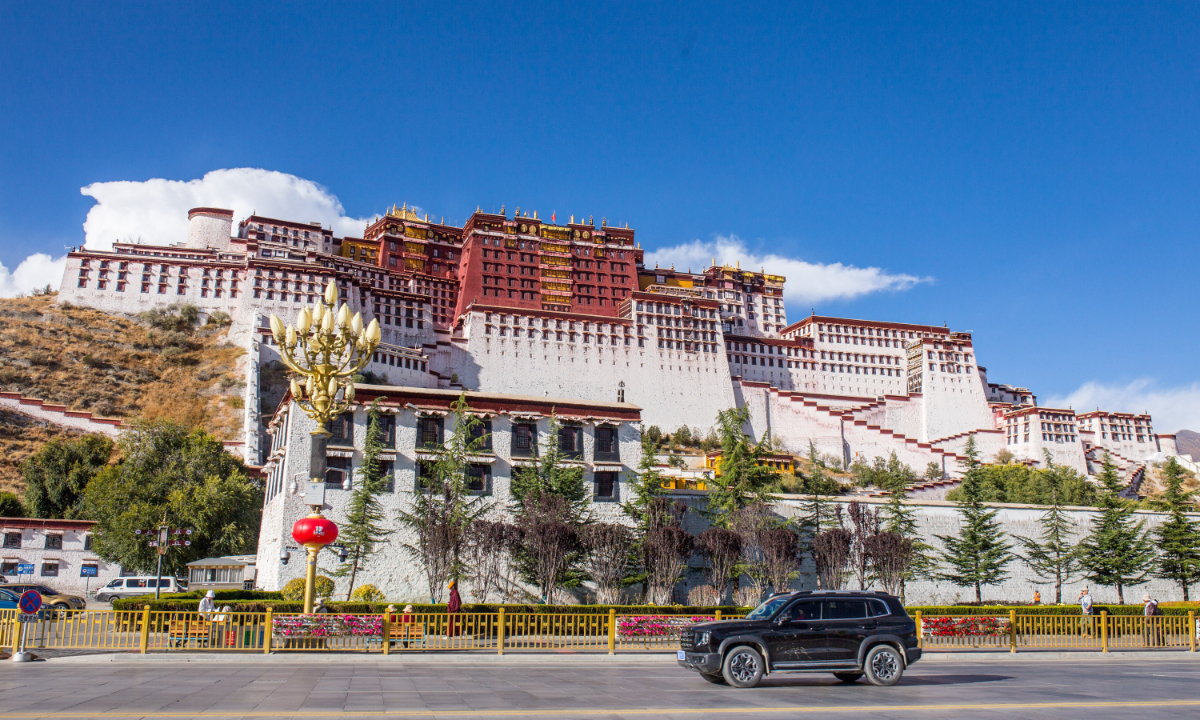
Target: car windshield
x: 43, y: 590
x: 768, y: 608
x: 7, y: 595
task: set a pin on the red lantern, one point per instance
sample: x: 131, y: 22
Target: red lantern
x: 314, y: 530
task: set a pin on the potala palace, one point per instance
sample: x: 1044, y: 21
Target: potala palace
x: 532, y: 318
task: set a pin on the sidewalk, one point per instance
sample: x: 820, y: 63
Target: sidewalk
x: 556, y: 658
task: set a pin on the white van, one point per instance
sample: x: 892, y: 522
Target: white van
x: 141, y: 585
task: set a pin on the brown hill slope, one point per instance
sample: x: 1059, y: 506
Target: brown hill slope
x: 155, y: 365
x: 20, y: 437
x: 1188, y: 443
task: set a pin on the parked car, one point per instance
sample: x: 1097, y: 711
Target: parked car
x: 133, y: 586
x: 850, y: 634
x: 9, y: 600
x: 50, y: 597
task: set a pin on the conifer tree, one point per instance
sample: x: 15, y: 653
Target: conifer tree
x: 645, y: 486
x: 1117, y: 551
x: 818, y: 513
x: 1178, y: 537
x: 901, y: 519
x: 743, y: 479
x: 978, y: 555
x: 363, y: 530
x: 1054, y: 556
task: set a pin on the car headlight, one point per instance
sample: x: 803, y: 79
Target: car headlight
x: 702, y: 638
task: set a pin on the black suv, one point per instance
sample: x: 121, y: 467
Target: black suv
x: 850, y: 634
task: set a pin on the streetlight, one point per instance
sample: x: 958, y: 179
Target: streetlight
x: 328, y: 347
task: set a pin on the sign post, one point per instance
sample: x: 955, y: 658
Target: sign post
x: 161, y: 539
x: 89, y: 572
x: 29, y: 604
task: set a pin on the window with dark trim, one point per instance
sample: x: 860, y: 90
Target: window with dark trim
x: 570, y: 441
x: 425, y: 472
x: 342, y: 428
x: 479, y: 478
x: 54, y: 542
x: 388, y: 470
x: 606, y: 485
x: 429, y: 432
x: 50, y: 569
x: 8, y: 567
x: 12, y: 540
x: 87, y: 542
x: 524, y: 440
x: 482, y: 431
x: 387, y: 429
x: 607, y: 448
x: 336, y: 470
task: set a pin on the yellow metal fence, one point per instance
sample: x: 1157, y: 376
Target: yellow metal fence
x: 1101, y: 632
x: 153, y: 631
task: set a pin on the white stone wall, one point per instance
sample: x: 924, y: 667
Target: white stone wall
x: 393, y: 570
x: 209, y: 231
x: 69, y: 558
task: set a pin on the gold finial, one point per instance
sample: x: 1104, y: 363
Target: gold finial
x: 443, y: 222
x: 535, y: 217
x: 426, y: 217
x: 572, y: 219
x: 603, y: 222
x: 501, y: 209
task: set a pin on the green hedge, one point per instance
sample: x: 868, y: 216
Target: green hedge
x: 223, y: 597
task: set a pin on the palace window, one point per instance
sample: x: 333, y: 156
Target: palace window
x: 605, y: 486
x: 524, y: 440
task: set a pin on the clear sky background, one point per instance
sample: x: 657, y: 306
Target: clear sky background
x: 1029, y: 173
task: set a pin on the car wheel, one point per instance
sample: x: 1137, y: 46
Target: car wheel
x: 743, y: 667
x: 883, y: 665
x: 848, y: 677
x: 714, y: 678
x: 102, y: 598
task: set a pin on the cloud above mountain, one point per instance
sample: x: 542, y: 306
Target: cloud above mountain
x: 806, y: 281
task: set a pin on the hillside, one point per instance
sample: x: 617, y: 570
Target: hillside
x: 1188, y: 443
x: 156, y: 365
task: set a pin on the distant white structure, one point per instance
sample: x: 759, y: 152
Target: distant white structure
x: 60, y: 552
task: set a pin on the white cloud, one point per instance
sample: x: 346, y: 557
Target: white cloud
x: 156, y: 210
x: 1174, y: 409
x: 806, y: 282
x: 34, y: 272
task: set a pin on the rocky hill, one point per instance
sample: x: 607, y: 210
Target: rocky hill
x: 154, y: 365
x: 1188, y: 443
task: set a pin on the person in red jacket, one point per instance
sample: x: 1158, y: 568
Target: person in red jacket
x: 453, y: 607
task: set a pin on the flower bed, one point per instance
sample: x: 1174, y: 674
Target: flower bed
x: 322, y: 625
x: 652, y: 626
x: 965, y: 626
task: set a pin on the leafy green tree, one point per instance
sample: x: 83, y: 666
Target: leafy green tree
x: 550, y: 474
x: 818, y: 511
x: 1178, y: 536
x: 363, y: 530
x: 10, y: 505
x: 186, y: 478
x: 683, y: 437
x: 443, y: 508
x: 933, y: 471
x: 1117, y: 551
x: 654, y: 435
x: 978, y: 555
x: 58, y: 473
x: 1022, y: 484
x: 744, y: 480
x: 1053, y: 556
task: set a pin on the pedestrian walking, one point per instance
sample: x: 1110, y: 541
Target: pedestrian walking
x: 208, y: 603
x: 1085, y: 605
x: 1037, y: 598
x: 453, y: 607
x: 1150, y: 630
x: 319, y: 606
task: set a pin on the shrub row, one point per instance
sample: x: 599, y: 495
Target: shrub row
x: 187, y: 602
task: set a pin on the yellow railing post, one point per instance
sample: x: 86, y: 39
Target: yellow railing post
x: 387, y: 629
x: 1192, y: 630
x: 500, y: 633
x: 268, y: 631
x: 718, y: 614
x: 920, y: 633
x: 16, y: 634
x: 612, y: 631
x: 1103, y: 631
x: 145, y: 628
x: 1012, y: 631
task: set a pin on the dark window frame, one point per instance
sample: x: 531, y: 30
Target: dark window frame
x: 607, y: 433
x: 484, y: 472
x: 570, y: 441
x: 425, y: 424
x: 482, y: 429
x: 421, y: 470
x: 604, y: 478
x: 518, y: 430
x: 54, y: 542
x: 342, y: 430
x: 9, y: 542
x: 337, y: 467
x: 50, y: 569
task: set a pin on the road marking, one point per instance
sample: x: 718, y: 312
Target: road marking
x: 861, y: 709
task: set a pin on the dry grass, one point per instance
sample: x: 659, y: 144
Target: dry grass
x: 20, y: 437
x: 118, y: 366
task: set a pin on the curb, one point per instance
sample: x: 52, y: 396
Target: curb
x: 519, y: 658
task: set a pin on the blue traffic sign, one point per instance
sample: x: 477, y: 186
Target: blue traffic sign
x: 25, y: 568
x: 30, y: 602
x: 89, y: 570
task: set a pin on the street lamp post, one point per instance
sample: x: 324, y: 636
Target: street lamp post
x: 328, y: 347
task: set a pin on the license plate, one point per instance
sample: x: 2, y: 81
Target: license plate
x: 681, y: 655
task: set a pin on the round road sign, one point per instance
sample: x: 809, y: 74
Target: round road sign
x: 31, y: 602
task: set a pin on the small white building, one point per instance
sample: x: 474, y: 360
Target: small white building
x: 603, y: 439
x: 59, y: 551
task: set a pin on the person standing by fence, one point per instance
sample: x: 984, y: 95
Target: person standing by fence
x: 452, y: 608
x: 1085, y: 604
x: 1151, y: 636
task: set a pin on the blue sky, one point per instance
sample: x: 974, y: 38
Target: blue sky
x: 1026, y: 172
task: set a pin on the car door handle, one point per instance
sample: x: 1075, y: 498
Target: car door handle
x: 865, y: 627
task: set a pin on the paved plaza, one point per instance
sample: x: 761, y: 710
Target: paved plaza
x: 574, y: 686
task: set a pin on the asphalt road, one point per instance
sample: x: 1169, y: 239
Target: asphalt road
x: 1119, y: 688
